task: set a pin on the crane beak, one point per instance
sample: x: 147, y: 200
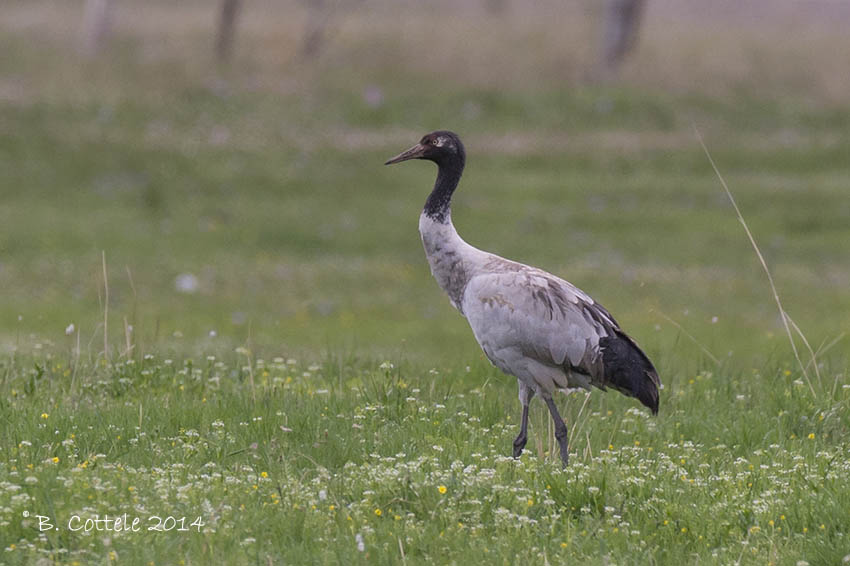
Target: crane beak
x: 415, y: 152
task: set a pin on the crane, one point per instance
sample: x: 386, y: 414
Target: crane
x: 531, y: 324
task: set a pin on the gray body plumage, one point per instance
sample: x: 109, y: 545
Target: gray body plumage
x: 530, y: 323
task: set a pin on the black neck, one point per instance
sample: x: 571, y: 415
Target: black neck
x: 438, y: 205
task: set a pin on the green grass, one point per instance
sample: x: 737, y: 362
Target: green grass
x: 292, y: 468
x: 264, y: 181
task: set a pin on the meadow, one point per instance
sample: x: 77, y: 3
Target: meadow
x: 216, y: 307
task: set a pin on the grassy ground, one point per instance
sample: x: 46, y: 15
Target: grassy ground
x: 284, y: 462
x: 263, y: 183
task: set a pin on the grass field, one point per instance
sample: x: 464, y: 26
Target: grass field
x: 279, y: 362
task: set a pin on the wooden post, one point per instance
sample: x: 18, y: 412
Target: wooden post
x: 226, y: 29
x: 319, y: 16
x: 620, y: 32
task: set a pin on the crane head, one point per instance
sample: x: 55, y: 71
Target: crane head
x: 440, y: 147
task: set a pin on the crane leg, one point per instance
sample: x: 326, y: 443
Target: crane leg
x: 561, y: 433
x: 525, y: 395
x: 522, y: 437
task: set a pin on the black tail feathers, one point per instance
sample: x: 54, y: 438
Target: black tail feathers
x: 629, y: 371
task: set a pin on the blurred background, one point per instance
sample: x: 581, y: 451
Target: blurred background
x: 223, y: 161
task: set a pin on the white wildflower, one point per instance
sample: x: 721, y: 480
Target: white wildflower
x: 186, y: 283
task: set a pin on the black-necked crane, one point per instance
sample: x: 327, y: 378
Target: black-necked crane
x: 531, y: 324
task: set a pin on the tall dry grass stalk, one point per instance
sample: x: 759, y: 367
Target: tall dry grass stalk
x: 787, y: 321
x: 105, y: 307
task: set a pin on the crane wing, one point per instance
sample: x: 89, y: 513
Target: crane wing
x: 544, y: 317
x: 531, y: 322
